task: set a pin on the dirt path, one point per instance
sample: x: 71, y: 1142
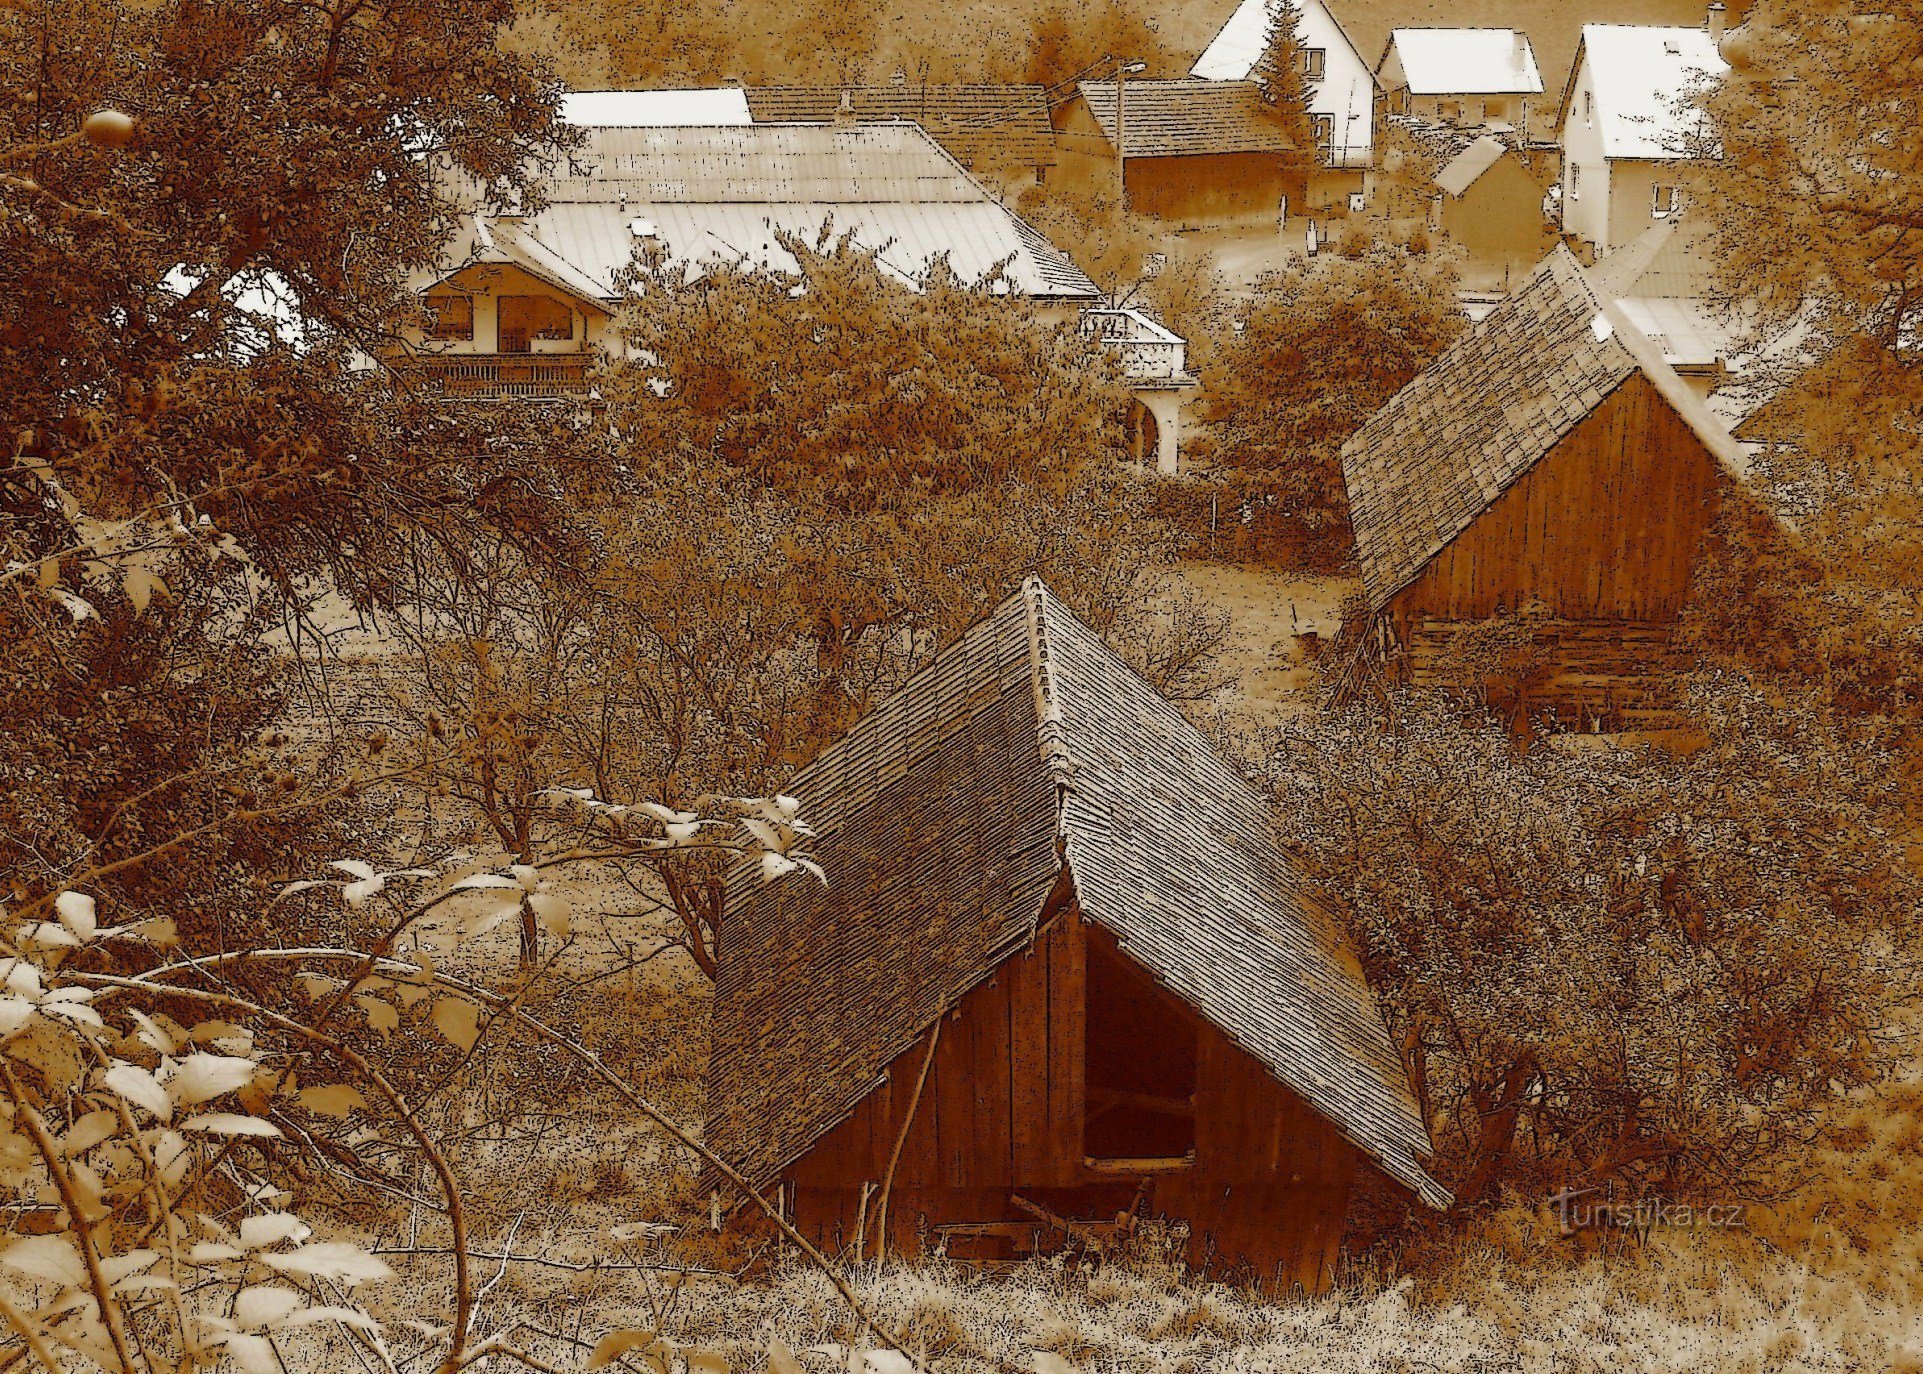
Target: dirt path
x: 1267, y: 609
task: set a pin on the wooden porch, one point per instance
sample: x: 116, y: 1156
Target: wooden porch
x: 501, y: 376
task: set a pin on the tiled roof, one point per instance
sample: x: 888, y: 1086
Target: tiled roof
x: 1186, y: 117
x: 1639, y: 73
x: 1466, y: 61
x: 946, y: 817
x: 1487, y: 410
x: 1468, y: 165
x: 975, y: 122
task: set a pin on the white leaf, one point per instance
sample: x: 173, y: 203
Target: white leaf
x: 229, y: 1123
x: 304, y: 884
x: 358, y: 868
x: 458, y: 1020
x: 490, y: 920
x: 254, y: 1354
x: 49, y: 936
x: 262, y: 1305
x: 23, y: 978
x: 152, y: 1035
x: 527, y: 875
x: 356, y: 894
x: 666, y: 815
x: 763, y: 834
x: 15, y: 1013
x: 775, y: 865
x: 271, y: 1228
x: 114, y: 1268
x: 212, y: 1252
x: 75, y: 1012
x: 201, y: 1077
x: 87, y: 1132
x: 78, y: 607
x: 76, y: 913
x: 138, y: 1087
x: 49, y: 1258
x: 332, y: 1259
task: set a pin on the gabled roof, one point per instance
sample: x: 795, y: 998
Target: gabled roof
x: 1186, y: 117
x: 1025, y: 752
x: 974, y: 121
x: 1469, y: 165
x: 1232, y: 54
x: 1497, y: 400
x: 1464, y: 61
x: 711, y: 106
x: 1639, y: 73
x: 1665, y: 260
x: 712, y: 194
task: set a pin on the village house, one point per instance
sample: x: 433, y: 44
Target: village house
x: 1000, y: 133
x: 521, y: 303
x: 1062, y: 972
x: 1661, y: 281
x: 1624, y: 131
x: 1197, y: 154
x: 1549, y: 465
x: 1470, y: 78
x: 700, y: 107
x: 1486, y: 201
x: 1339, y: 83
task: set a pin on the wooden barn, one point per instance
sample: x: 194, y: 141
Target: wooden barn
x: 1198, y: 154
x: 1060, y: 972
x: 1549, y: 461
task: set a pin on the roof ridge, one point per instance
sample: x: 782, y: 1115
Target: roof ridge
x: 1050, y: 734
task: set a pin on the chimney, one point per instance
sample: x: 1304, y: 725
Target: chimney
x: 1718, y: 12
x: 845, y: 112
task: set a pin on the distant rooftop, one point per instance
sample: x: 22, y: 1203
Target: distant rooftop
x: 974, y: 121
x: 710, y: 106
x: 1641, y: 73
x: 1466, y: 61
x: 1186, y: 117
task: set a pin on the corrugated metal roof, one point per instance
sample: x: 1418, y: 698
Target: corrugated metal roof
x: 1639, y: 72
x: 1499, y: 398
x: 939, y: 814
x: 711, y: 106
x: 1469, y: 164
x: 1187, y: 117
x: 1466, y: 61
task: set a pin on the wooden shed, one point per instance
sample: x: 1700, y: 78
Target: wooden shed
x: 1199, y: 154
x: 1060, y: 971
x: 1486, y: 201
x: 1550, y: 461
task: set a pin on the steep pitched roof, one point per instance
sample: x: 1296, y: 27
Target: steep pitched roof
x: 1639, y: 73
x: 1487, y: 410
x: 1469, y: 165
x: 1186, y: 117
x: 947, y: 816
x: 974, y: 121
x: 1465, y: 61
x: 711, y: 194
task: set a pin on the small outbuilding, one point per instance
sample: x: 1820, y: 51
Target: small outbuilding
x: 1199, y: 154
x: 1551, y: 461
x: 1486, y: 201
x: 1060, y: 972
x: 1465, y: 77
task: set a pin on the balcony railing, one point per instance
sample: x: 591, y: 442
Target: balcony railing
x: 1148, y: 351
x: 503, y: 376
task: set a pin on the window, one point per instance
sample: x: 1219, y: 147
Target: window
x: 1575, y: 181
x: 450, y: 317
x: 1141, y: 1051
x: 1314, y: 62
x: 1666, y: 201
x: 524, y: 318
x: 1324, y: 130
x: 1588, y: 107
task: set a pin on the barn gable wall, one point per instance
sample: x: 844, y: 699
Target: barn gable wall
x: 1606, y: 527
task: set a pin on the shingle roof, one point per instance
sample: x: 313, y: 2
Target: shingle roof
x: 1639, y: 73
x: 975, y: 121
x: 1487, y: 410
x: 1466, y: 61
x: 946, y: 817
x: 1187, y: 117
x: 1469, y: 164
x: 722, y: 194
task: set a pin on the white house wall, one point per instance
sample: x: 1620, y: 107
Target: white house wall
x: 1585, y: 216
x: 1346, y: 93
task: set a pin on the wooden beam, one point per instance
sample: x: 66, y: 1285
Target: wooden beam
x: 1136, y: 1168
x: 1109, y: 1099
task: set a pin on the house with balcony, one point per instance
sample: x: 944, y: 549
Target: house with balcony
x: 1154, y: 359
x: 1340, y: 84
x: 1469, y: 78
x: 522, y: 305
x: 1626, y: 131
